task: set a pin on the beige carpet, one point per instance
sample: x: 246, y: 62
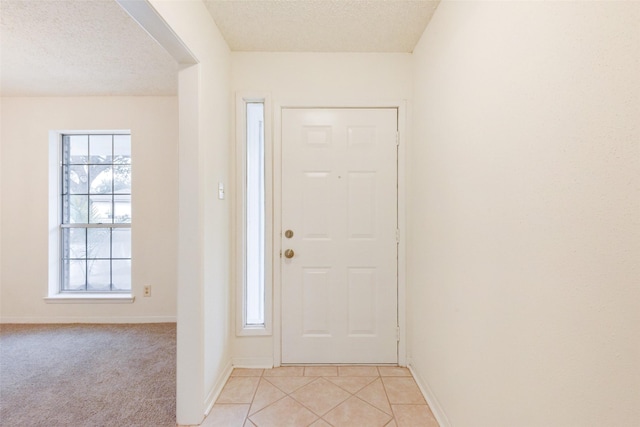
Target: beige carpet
x: 88, y: 375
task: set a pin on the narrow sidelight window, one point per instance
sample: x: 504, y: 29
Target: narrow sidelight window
x: 254, y: 217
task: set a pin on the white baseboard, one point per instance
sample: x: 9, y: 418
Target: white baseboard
x: 215, y: 391
x: 89, y: 319
x: 437, y: 410
x: 253, y: 362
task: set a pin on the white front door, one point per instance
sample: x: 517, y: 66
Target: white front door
x: 339, y: 201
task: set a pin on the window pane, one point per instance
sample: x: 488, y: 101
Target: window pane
x: 73, y: 275
x: 77, y: 209
x: 122, y: 179
x: 122, y: 149
x: 121, y: 275
x: 121, y: 243
x: 254, y: 205
x: 78, y: 149
x: 101, y: 209
x: 100, y: 178
x: 74, y: 179
x: 100, y: 149
x: 98, y: 243
x: 99, y: 275
x: 74, y: 243
x: 122, y: 206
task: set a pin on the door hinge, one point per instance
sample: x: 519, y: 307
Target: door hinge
x: 397, y: 235
x: 397, y: 139
x: 398, y: 334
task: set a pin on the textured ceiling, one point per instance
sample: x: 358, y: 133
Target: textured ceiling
x: 79, y: 47
x: 93, y: 47
x: 322, y: 25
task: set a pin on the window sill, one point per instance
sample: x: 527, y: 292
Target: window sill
x: 253, y: 332
x: 90, y: 299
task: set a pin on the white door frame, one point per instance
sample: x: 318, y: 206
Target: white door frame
x: 401, y: 106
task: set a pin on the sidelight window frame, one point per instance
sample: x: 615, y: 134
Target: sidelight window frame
x: 247, y: 293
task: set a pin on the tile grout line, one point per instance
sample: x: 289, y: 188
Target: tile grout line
x: 262, y: 409
x: 384, y: 387
x: 275, y: 401
x: 303, y: 374
x: 287, y: 395
x: 393, y: 414
x: 354, y: 395
x: 253, y: 397
x: 331, y: 409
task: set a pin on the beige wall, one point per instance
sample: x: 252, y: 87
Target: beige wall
x: 314, y: 79
x: 26, y: 123
x: 204, y: 350
x: 327, y: 78
x: 524, y: 250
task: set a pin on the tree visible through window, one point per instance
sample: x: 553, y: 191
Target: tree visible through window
x: 96, y: 213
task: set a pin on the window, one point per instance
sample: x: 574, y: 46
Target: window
x: 95, y: 213
x: 253, y: 227
x: 254, y: 215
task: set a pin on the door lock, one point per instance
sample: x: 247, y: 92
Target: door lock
x: 288, y: 234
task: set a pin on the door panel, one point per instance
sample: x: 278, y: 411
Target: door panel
x: 339, y: 197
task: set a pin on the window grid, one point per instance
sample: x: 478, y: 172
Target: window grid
x: 91, y: 166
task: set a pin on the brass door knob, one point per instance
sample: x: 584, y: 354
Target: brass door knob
x: 289, y: 253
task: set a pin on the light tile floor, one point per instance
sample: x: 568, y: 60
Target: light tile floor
x: 321, y: 396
